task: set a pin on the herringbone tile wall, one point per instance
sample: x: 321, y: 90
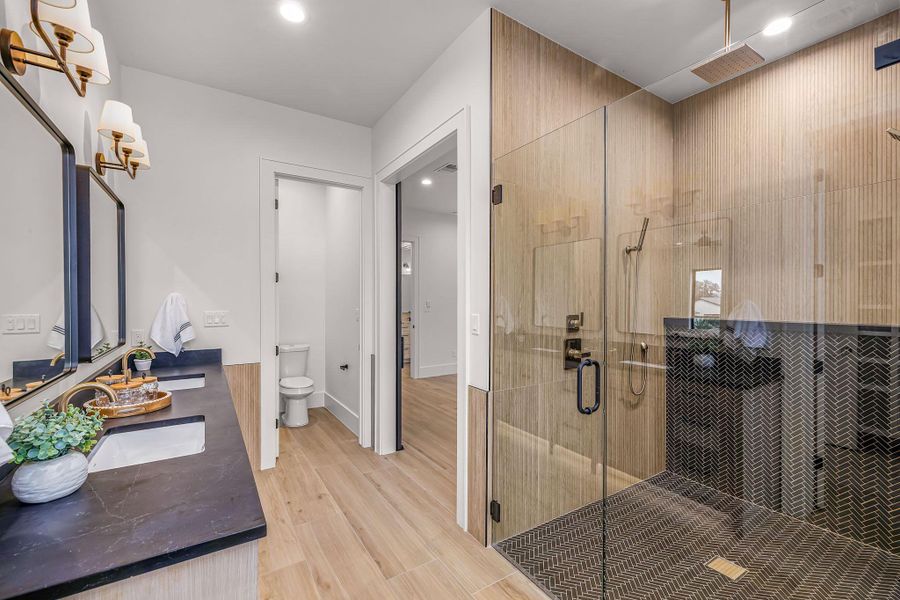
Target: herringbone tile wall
x: 806, y: 423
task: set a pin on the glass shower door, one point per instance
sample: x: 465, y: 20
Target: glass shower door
x: 548, y: 253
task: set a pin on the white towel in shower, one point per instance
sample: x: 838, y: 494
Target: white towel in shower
x: 57, y: 337
x: 750, y: 326
x: 172, y: 328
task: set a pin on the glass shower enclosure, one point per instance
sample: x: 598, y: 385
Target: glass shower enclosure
x: 730, y: 255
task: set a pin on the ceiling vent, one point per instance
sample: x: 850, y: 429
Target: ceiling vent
x: 448, y: 168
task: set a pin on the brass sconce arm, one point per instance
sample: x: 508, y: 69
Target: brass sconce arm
x: 123, y: 156
x: 16, y: 57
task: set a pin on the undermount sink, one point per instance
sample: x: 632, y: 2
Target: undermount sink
x: 182, y: 382
x: 136, y: 445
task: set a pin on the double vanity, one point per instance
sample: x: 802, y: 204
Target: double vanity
x: 146, y: 518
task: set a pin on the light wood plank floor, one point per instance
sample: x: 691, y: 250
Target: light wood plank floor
x: 346, y: 523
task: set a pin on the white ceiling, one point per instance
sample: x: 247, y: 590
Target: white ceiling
x: 353, y: 59
x: 440, y: 196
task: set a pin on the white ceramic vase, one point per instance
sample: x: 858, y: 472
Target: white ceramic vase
x: 46, y: 480
x: 142, y: 365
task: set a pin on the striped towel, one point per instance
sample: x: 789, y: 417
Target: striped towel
x: 172, y: 328
x: 57, y: 337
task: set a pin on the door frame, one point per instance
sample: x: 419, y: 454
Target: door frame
x: 425, y: 150
x: 269, y: 172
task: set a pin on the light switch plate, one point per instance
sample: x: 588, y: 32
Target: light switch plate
x: 216, y: 318
x: 476, y: 324
x: 20, y: 324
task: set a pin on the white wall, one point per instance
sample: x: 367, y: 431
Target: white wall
x: 342, y: 295
x: 435, y: 272
x: 198, y: 206
x: 301, y: 266
x: 460, y: 77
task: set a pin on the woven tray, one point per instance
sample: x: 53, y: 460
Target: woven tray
x: 162, y: 400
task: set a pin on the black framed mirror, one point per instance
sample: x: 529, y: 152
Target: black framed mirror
x: 38, y: 323
x: 101, y: 266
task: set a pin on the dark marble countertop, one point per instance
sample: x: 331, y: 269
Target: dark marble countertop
x: 131, y: 520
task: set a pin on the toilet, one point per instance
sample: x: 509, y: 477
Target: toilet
x: 294, y: 387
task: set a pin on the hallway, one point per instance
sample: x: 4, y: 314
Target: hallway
x: 345, y: 523
x: 429, y: 433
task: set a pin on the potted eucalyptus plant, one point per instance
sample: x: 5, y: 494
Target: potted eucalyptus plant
x: 50, y: 447
x: 142, y: 359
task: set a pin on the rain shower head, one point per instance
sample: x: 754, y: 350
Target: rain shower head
x: 729, y: 62
x: 894, y: 133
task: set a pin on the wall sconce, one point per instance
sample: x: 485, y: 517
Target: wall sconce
x: 74, y: 43
x: 128, y: 144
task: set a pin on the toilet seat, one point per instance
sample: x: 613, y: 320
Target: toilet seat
x: 296, y: 383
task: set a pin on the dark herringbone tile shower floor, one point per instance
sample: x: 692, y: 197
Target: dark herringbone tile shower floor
x: 662, y: 532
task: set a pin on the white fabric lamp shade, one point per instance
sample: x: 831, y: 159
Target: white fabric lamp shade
x: 138, y: 147
x: 143, y: 161
x: 117, y: 117
x: 60, y: 3
x: 95, y: 61
x: 77, y: 18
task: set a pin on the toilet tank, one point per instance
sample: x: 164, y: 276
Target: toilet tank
x: 292, y: 360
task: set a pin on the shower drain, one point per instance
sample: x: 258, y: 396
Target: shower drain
x: 727, y: 568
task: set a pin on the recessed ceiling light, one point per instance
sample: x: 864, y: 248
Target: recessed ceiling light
x: 778, y: 26
x: 426, y: 181
x: 292, y: 11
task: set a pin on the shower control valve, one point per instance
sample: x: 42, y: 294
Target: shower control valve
x: 573, y: 354
x: 574, y: 322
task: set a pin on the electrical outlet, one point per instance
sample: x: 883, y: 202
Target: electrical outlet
x: 453, y: 354
x: 21, y: 324
x: 428, y: 306
x: 216, y: 318
x: 138, y: 337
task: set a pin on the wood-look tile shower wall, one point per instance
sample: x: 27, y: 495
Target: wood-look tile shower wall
x: 547, y: 252
x: 789, y: 171
x: 783, y: 178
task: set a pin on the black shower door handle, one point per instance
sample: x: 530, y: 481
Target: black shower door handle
x: 589, y: 362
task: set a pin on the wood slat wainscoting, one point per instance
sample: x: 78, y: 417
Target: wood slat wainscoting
x: 477, y: 465
x: 244, y: 383
x: 229, y: 573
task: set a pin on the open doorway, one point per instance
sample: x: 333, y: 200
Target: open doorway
x: 427, y: 312
x: 318, y: 301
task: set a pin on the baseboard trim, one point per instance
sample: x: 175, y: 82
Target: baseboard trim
x: 425, y: 372
x: 346, y: 416
x: 316, y: 400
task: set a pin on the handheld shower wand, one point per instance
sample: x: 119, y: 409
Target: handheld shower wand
x: 640, y: 244
x: 631, y: 317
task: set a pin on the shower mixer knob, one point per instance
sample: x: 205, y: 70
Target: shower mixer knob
x: 576, y: 354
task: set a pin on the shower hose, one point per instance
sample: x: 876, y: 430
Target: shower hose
x: 631, y: 335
